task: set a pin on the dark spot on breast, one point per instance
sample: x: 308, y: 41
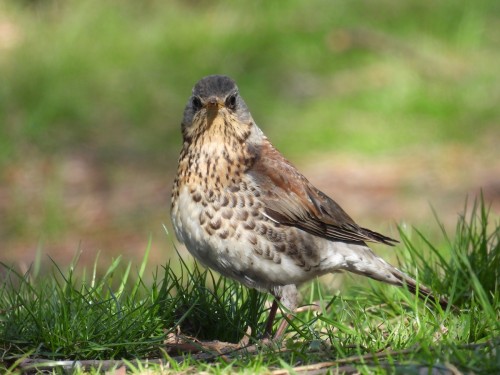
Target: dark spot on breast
x: 250, y: 200
x: 241, y: 201
x: 224, y: 201
x: 227, y: 214
x: 261, y: 229
x: 196, y: 197
x: 291, y: 249
x: 226, y: 156
x: 250, y: 225
x: 310, y: 251
x: 233, y: 201
x: 273, y: 235
x: 242, y: 215
x: 215, y: 224
x: 252, y: 239
x: 202, y: 219
x: 255, y: 213
x: 300, y: 262
x: 210, y: 195
x: 280, y: 247
x: 224, y: 234
x: 267, y: 252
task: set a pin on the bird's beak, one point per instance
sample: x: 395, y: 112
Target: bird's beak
x: 214, y: 103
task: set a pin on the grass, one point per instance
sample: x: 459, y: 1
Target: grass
x: 116, y: 318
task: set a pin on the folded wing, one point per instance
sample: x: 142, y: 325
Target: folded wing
x: 290, y: 199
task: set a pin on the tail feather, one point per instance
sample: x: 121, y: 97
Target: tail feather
x: 420, y: 289
x: 367, y: 263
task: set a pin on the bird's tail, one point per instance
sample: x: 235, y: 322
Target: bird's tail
x: 367, y: 263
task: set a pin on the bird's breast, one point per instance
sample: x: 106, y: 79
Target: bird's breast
x: 214, y: 162
x: 227, y: 231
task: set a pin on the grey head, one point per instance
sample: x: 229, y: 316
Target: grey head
x: 214, y: 93
x: 215, y: 85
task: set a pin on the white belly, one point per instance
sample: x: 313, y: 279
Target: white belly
x: 236, y: 255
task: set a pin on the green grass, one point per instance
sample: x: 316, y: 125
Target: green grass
x: 74, y: 315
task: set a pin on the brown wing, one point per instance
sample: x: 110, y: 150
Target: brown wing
x: 291, y: 199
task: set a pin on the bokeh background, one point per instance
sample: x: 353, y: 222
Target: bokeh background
x: 391, y: 107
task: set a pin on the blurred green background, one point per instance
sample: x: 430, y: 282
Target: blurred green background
x: 388, y: 106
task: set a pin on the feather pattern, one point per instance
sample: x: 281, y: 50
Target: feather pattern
x: 292, y: 200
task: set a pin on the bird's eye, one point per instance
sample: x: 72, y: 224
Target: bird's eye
x: 231, y: 101
x: 196, y: 102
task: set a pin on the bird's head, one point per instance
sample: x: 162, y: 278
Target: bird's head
x: 216, y: 108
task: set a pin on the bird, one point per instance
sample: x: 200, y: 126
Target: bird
x: 245, y: 211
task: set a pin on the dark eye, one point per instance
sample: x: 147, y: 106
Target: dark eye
x: 196, y: 102
x: 231, y: 101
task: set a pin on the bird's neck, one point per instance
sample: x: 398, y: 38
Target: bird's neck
x: 215, y: 161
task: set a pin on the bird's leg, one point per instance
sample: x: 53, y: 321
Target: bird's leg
x: 282, y: 327
x: 287, y: 295
x: 270, y: 320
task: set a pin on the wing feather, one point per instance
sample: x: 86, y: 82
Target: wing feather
x: 291, y: 199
